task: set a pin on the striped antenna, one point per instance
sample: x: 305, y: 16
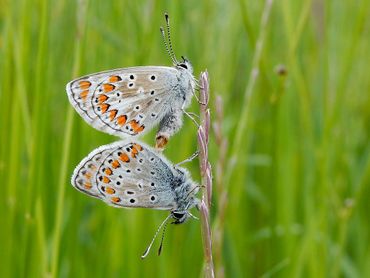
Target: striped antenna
x: 169, y: 35
x: 163, y: 233
x: 172, y: 56
x: 154, y: 237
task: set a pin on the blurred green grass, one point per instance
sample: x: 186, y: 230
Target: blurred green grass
x: 298, y: 196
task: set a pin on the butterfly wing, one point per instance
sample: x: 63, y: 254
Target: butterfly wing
x: 84, y: 174
x: 127, y: 174
x: 124, y: 102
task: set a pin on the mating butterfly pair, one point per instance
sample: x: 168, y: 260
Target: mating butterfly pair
x: 128, y: 102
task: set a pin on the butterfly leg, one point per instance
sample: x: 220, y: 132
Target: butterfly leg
x: 190, y: 115
x: 197, y: 98
x: 194, y: 155
x: 196, y: 218
x: 193, y: 115
x: 198, y: 86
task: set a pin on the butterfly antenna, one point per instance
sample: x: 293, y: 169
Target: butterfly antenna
x: 166, y: 45
x: 163, y: 233
x: 169, y: 36
x: 155, y: 235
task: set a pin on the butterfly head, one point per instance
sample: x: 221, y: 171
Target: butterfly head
x: 186, y: 201
x: 181, y: 216
x: 185, y: 64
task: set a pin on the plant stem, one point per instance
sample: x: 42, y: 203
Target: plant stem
x: 222, y: 192
x: 206, y: 174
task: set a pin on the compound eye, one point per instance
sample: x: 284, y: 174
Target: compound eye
x: 183, y: 66
x: 178, y: 215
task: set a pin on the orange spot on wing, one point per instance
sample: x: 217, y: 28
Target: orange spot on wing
x: 108, y: 87
x: 108, y: 171
x: 87, y: 185
x: 106, y: 179
x: 136, y: 126
x: 114, y: 78
x: 134, y: 152
x: 84, y: 84
x: 84, y: 94
x: 88, y: 175
x: 116, y: 199
x: 102, y: 98
x: 115, y: 164
x: 124, y: 157
x: 112, y: 114
x: 110, y: 190
x: 104, y: 107
x: 121, y: 120
x: 139, y: 147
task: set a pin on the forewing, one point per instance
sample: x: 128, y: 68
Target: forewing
x: 131, y: 174
x: 123, y: 102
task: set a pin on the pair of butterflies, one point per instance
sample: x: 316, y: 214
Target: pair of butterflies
x: 128, y: 102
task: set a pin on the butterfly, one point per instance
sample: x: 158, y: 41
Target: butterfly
x: 130, y: 101
x: 130, y: 174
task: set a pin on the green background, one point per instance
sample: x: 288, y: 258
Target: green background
x: 296, y: 172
